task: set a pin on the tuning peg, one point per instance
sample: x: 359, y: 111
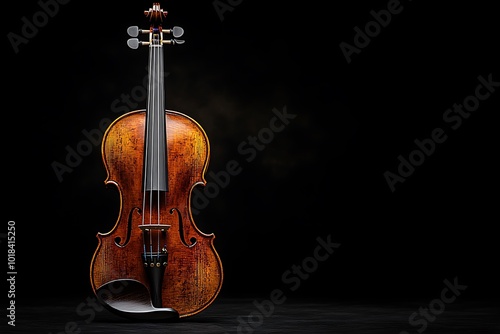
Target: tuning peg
x: 175, y: 31
x: 134, y: 43
x: 173, y: 41
x: 134, y: 31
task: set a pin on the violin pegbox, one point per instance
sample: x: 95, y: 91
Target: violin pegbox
x: 156, y: 13
x: 156, y: 31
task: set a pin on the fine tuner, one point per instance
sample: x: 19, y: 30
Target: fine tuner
x: 155, y: 34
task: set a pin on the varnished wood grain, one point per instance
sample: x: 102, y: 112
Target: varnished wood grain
x: 194, y: 275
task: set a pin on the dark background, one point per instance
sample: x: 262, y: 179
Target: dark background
x: 322, y: 175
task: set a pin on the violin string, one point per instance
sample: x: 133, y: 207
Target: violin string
x: 159, y: 137
x: 147, y: 176
x: 155, y: 121
x: 150, y: 141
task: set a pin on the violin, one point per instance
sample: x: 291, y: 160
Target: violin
x: 155, y: 264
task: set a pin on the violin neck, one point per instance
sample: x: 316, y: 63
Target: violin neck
x: 155, y: 162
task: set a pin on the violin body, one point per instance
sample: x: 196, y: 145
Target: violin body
x: 155, y: 263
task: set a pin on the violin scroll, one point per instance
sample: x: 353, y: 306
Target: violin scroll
x: 156, y: 31
x: 156, y: 13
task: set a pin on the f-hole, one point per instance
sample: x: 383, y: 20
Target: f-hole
x: 181, y: 229
x: 129, y: 228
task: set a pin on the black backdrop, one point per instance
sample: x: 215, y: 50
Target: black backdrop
x: 320, y: 176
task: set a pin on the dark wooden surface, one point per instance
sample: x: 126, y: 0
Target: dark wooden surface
x: 231, y: 315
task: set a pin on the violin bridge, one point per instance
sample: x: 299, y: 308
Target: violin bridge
x: 160, y: 227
